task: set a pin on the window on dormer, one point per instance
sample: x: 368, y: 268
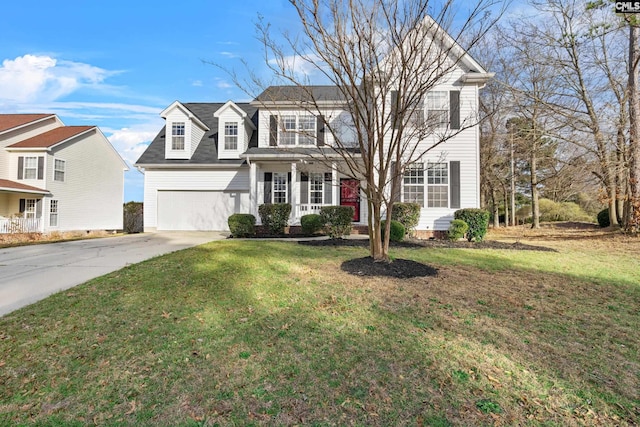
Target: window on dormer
x: 231, y: 136
x: 177, y: 136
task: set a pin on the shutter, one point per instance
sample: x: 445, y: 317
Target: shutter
x: 20, y: 168
x: 394, y: 109
x: 23, y: 205
x: 320, y: 130
x: 395, y: 176
x: 328, y: 188
x: 40, y: 167
x: 39, y: 208
x: 289, y: 187
x: 454, y: 184
x: 273, y: 131
x: 304, y: 188
x: 268, y: 177
x: 454, y: 106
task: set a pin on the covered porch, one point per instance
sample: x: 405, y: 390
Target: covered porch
x: 307, y: 184
x: 21, y: 208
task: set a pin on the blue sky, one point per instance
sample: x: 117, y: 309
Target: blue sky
x: 117, y: 64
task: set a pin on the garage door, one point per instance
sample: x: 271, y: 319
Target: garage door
x: 199, y: 210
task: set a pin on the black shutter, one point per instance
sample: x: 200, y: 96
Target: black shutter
x: 39, y: 208
x: 395, y: 177
x: 40, y: 167
x: 304, y: 188
x: 454, y: 184
x: 23, y: 205
x: 328, y: 188
x: 20, y: 168
x: 394, y: 109
x: 320, y: 130
x: 454, y: 105
x: 268, y: 177
x: 289, y: 187
x: 273, y: 131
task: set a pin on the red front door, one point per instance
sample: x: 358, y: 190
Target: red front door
x: 350, y: 196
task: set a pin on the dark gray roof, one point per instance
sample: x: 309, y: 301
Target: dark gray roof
x: 207, y: 151
x: 300, y: 93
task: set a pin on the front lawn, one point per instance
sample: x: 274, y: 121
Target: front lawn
x: 275, y: 333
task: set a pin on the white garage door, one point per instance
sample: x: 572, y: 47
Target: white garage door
x: 199, y: 210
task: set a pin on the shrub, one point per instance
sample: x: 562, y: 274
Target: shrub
x: 311, y: 223
x: 477, y: 220
x: 132, y: 217
x: 562, y: 211
x: 275, y: 216
x: 457, y: 229
x: 396, y: 230
x: 407, y: 214
x: 242, y: 225
x: 603, y: 218
x: 337, y: 220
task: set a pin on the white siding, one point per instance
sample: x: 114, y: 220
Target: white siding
x: 332, y: 116
x: 229, y: 115
x: 199, y: 210
x: 177, y: 115
x: 91, y: 196
x: 228, y: 180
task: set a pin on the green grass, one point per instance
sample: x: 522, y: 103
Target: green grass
x: 274, y: 333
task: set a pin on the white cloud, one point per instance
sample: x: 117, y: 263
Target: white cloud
x: 131, y: 142
x: 223, y: 84
x: 300, y: 65
x: 197, y: 83
x: 41, y: 78
x: 229, y: 55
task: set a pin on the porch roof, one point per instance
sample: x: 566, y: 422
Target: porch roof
x: 16, y: 187
x: 282, y: 153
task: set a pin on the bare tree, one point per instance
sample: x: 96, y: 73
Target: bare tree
x: 383, y: 57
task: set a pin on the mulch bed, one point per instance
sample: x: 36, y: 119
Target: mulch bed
x: 399, y: 268
x: 435, y: 243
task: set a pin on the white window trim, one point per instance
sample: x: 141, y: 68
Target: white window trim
x: 285, y: 176
x: 30, y: 208
x: 53, y: 214
x: 227, y: 126
x: 445, y: 112
x: 432, y: 168
x: 64, y: 170
x: 321, y: 190
x: 175, y: 135
x: 298, y: 132
x: 25, y: 168
x: 417, y: 167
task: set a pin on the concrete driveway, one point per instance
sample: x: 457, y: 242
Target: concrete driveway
x: 31, y: 273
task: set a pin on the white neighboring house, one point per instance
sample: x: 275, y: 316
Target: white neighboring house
x: 57, y: 178
x: 215, y: 159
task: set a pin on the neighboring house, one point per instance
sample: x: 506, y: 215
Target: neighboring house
x: 57, y: 178
x: 214, y: 159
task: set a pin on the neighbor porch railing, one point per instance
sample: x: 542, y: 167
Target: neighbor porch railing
x: 20, y: 225
x: 308, y: 209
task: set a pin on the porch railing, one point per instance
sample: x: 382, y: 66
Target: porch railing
x: 308, y: 209
x: 20, y: 225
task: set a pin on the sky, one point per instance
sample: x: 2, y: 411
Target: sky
x: 117, y: 64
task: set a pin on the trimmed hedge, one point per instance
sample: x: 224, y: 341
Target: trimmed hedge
x: 407, y: 214
x: 396, y: 230
x: 242, y: 225
x: 457, y: 229
x: 477, y: 220
x: 603, y: 218
x: 311, y: 224
x: 275, y: 216
x: 337, y: 220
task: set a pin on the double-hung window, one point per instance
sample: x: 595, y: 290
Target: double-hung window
x: 58, y: 170
x: 414, y: 184
x: 177, y: 136
x: 231, y: 136
x: 437, y: 185
x: 30, y: 208
x: 316, y: 189
x: 297, y: 130
x: 438, y: 109
x: 30, y: 170
x: 279, y: 187
x: 53, y: 213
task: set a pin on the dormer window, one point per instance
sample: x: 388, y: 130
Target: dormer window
x: 297, y: 130
x: 177, y: 136
x: 231, y: 136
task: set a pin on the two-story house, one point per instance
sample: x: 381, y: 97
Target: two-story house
x: 57, y: 178
x: 211, y: 160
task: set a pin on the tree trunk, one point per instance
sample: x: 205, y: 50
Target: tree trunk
x: 535, y: 208
x: 634, y: 128
x: 506, y: 208
x: 621, y: 188
x: 496, y: 212
x: 513, y: 186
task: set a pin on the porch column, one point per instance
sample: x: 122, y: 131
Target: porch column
x: 335, y: 183
x: 253, y: 189
x: 295, y: 190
